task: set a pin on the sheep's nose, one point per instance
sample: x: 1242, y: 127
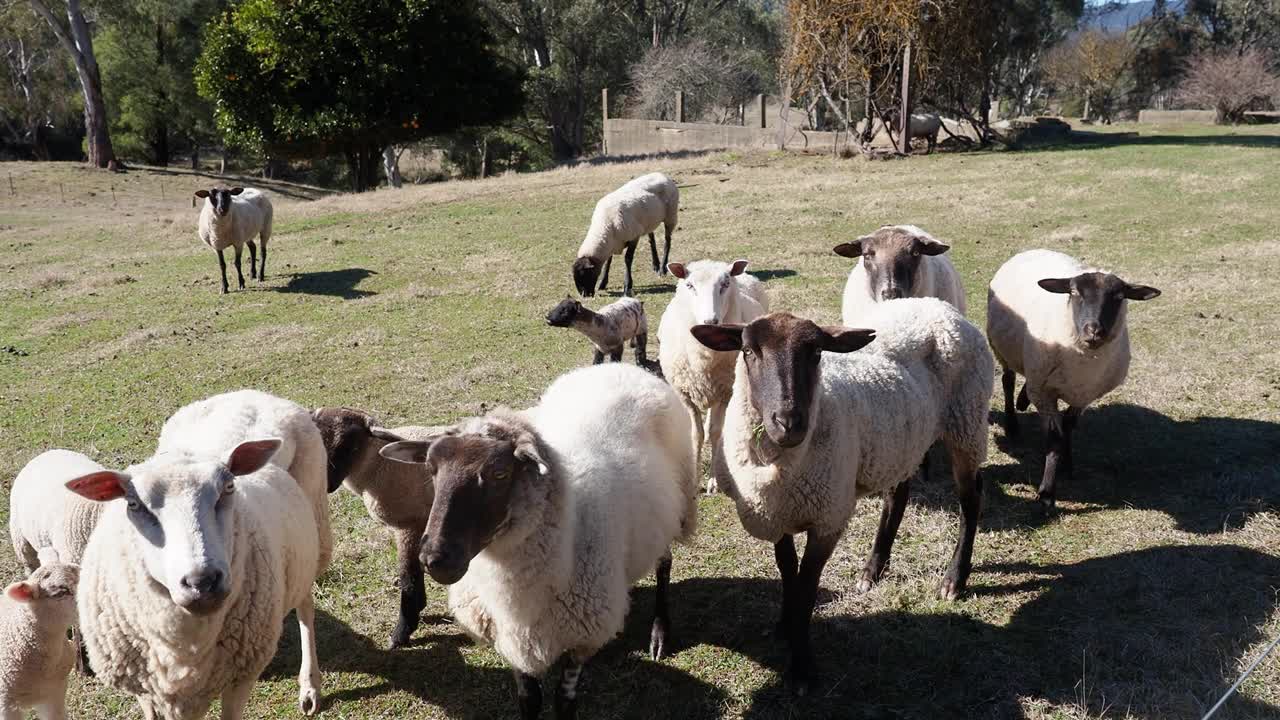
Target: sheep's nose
x: 446, y: 563
x: 892, y: 293
x: 782, y: 421
x: 202, y: 582
x: 1092, y: 331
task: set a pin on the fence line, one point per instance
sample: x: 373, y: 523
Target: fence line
x: 1230, y: 691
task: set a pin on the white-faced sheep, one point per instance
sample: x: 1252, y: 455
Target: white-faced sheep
x: 231, y: 218
x: 897, y: 261
x: 709, y: 292
x: 397, y: 495
x: 544, y: 519
x: 811, y: 429
x: 1062, y: 325
x: 35, y: 655
x: 609, y: 328
x: 42, y: 514
x: 186, y: 583
x: 618, y: 222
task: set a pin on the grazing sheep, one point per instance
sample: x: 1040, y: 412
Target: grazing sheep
x: 608, y: 329
x: 42, y: 514
x: 544, y: 519
x: 897, y: 261
x: 397, y: 495
x: 808, y: 433
x: 187, y: 582
x: 1061, y: 325
x: 231, y: 218
x: 618, y: 222
x: 925, y: 125
x: 709, y: 292
x: 35, y: 656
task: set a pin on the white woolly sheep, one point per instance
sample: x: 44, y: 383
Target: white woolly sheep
x: 1062, y: 325
x: 897, y: 261
x: 922, y: 125
x: 709, y: 292
x: 608, y: 329
x: 231, y: 218
x: 35, y: 656
x: 618, y: 222
x: 42, y: 514
x: 544, y: 519
x: 397, y: 495
x: 808, y: 433
x: 185, y: 584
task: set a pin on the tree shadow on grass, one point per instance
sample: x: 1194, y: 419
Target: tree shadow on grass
x: 335, y: 283
x: 767, y: 275
x: 1095, y: 140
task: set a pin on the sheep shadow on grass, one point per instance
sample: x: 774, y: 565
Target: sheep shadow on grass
x: 334, y: 283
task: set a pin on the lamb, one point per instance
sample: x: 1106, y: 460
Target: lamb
x: 709, y: 292
x: 617, y: 223
x: 808, y: 433
x: 187, y: 582
x: 35, y: 656
x: 544, y: 519
x: 231, y: 218
x: 1062, y: 325
x: 609, y: 329
x: 43, y: 515
x: 396, y: 495
x: 897, y: 261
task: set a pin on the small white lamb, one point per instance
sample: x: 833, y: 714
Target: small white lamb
x: 231, y: 218
x: 544, y: 519
x: 1062, y: 325
x: 35, y: 655
x: 619, y: 220
x: 709, y: 292
x: 608, y: 328
x: 897, y: 261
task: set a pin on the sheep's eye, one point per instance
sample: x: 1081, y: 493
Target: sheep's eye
x: 134, y: 505
x: 229, y: 488
x: 692, y: 289
x: 915, y: 253
x: 869, y: 254
x: 746, y: 352
x: 501, y: 475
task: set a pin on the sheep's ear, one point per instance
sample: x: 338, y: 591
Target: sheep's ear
x: 1140, y: 292
x: 407, y: 451
x: 22, y: 592
x: 249, y: 456
x: 837, y: 338
x: 929, y: 246
x: 850, y: 249
x: 678, y: 269
x: 527, y: 450
x: 739, y: 266
x: 101, y: 486
x: 384, y: 434
x: 726, y: 338
x: 202, y: 193
x: 1062, y: 286
x: 236, y: 190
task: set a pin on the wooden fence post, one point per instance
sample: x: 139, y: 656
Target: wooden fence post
x: 905, y: 124
x: 764, y: 112
x: 604, y: 121
x: 679, y: 106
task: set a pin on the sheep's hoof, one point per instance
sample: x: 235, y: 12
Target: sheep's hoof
x: 658, y: 639
x: 400, y: 636
x: 1048, y: 503
x: 867, y: 581
x: 951, y: 589
x: 309, y: 701
x: 711, y: 486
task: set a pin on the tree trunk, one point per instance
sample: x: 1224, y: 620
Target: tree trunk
x: 484, y: 157
x: 905, y: 131
x: 222, y: 163
x: 195, y: 154
x: 391, y: 166
x: 75, y: 38
x: 1087, y: 107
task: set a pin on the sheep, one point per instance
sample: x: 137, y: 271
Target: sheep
x: 617, y: 223
x: 186, y: 584
x: 897, y: 261
x: 808, y: 433
x: 709, y: 292
x: 544, y: 519
x: 232, y: 217
x: 396, y: 495
x: 1062, y: 325
x: 43, y: 515
x: 608, y: 329
x: 35, y: 655
x: 925, y: 125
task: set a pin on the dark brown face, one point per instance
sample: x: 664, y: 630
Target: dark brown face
x: 219, y: 198
x: 346, y: 434
x: 891, y: 258
x: 1097, y: 301
x: 586, y: 272
x: 563, y: 314
x: 782, y: 354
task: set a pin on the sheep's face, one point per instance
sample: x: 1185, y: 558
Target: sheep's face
x: 585, y: 273
x: 182, y: 511
x: 52, y: 588
x: 219, y: 198
x: 782, y: 355
x: 346, y: 434
x: 708, y: 288
x: 891, y: 258
x: 563, y: 314
x: 1097, y: 302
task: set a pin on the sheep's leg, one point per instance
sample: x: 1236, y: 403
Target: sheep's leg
x: 1024, y: 401
x: 661, y: 615
x: 309, y: 672
x: 239, y: 270
x: 234, y: 700
x: 803, y: 673
x: 413, y: 588
x: 149, y: 712
x: 604, y: 274
x: 627, y: 257
x: 969, y: 489
x: 715, y: 432
x: 784, y: 554
x: 1056, y: 456
x: 640, y: 343
x: 11, y: 713
x: 895, y: 503
x: 253, y: 260
x: 597, y: 357
x: 222, y: 264
x: 567, y: 692
x: 55, y: 709
x: 262, y: 269
x: 666, y: 249
x: 1008, y: 379
x: 528, y: 695
x: 82, y: 652
x: 653, y: 250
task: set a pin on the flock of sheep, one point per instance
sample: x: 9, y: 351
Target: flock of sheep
x: 175, y: 575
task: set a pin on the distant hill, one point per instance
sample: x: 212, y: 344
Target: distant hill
x: 1123, y: 17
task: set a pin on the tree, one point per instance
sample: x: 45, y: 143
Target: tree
x: 308, y: 78
x: 77, y: 41
x: 1093, y: 65
x: 37, y: 94
x: 711, y: 80
x: 1228, y: 82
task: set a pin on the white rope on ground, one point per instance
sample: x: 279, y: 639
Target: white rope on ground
x: 1243, y: 677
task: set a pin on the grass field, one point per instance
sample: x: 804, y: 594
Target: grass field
x: 1144, y: 597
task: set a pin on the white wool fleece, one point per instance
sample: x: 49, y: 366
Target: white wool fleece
x: 627, y: 213
x: 250, y: 216
x: 43, y: 513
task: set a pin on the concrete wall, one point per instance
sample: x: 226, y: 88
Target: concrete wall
x: 625, y: 137
x: 1176, y: 116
